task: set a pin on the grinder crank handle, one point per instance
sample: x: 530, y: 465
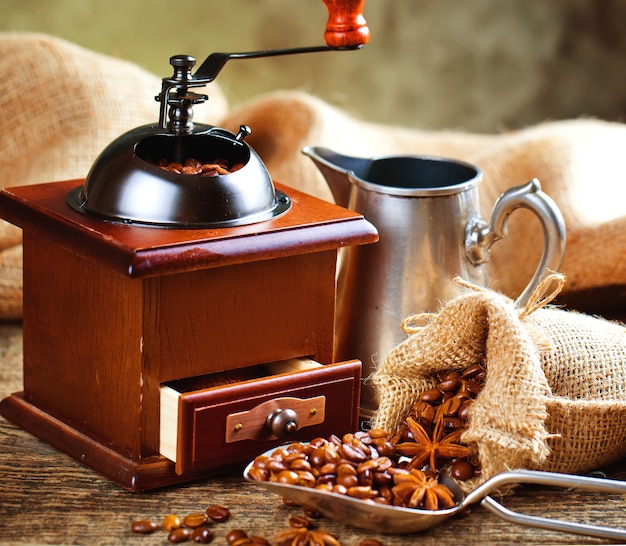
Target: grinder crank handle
x: 346, y: 28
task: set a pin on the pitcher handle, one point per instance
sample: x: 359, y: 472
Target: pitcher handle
x: 480, y: 235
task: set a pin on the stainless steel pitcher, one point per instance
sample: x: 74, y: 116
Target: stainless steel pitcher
x: 426, y: 210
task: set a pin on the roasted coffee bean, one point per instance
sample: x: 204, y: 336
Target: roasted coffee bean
x: 339, y: 489
x: 382, y: 464
x: 317, y: 457
x: 326, y: 481
x: 366, y: 477
x: 376, y: 433
x: 300, y: 464
x: 218, y: 513
x: 453, y: 423
x: 194, y: 520
x: 380, y: 479
x: 473, y: 371
x: 331, y: 454
x: 334, y: 439
x: 347, y: 480
x: 289, y: 477
x: 448, y: 381
x: 464, y: 410
x: 424, y: 412
x: 305, y: 479
x: 144, y: 526
x: 431, y: 395
x: 202, y: 535
x: 472, y: 386
x: 462, y: 470
x: 299, y: 521
x: 384, y: 447
x: 234, y: 535
x: 182, y: 534
x: 292, y: 456
x: 360, y: 491
x: 259, y: 474
x: 357, y: 440
x: 171, y: 522
x: 353, y: 453
x: 328, y: 468
x: 275, y: 465
x: 451, y: 407
x: 346, y: 469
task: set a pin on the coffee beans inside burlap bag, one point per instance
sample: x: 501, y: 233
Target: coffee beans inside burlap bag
x: 554, y: 396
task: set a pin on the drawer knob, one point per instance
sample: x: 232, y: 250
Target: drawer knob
x: 282, y: 422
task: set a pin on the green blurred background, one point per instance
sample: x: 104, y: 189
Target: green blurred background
x: 479, y: 65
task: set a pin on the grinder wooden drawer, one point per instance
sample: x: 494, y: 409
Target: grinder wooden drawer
x: 221, y: 419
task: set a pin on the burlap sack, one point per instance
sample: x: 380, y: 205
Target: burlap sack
x: 579, y: 164
x: 554, y: 397
x: 61, y: 105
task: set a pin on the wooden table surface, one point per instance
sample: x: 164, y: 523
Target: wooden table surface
x: 48, y: 498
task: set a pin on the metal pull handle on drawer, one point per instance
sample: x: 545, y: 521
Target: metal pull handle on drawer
x: 269, y: 420
x: 282, y: 422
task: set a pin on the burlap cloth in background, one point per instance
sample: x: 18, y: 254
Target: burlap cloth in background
x: 61, y: 105
x: 554, y: 397
x: 579, y: 163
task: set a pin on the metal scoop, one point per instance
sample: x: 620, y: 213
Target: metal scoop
x: 397, y: 520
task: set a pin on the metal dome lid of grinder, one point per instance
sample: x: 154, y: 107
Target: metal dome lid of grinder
x: 181, y: 174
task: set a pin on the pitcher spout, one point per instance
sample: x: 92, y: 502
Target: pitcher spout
x: 338, y: 170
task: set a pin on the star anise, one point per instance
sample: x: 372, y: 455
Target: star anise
x: 303, y: 536
x: 424, y: 449
x: 415, y: 489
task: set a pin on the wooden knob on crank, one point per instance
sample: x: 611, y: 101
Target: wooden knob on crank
x: 346, y: 26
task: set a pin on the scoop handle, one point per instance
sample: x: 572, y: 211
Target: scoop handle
x: 551, y: 479
x: 346, y: 26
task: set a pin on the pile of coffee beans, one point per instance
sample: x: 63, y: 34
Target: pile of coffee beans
x: 448, y: 403
x: 363, y: 465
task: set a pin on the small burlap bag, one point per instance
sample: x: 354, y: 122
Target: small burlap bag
x: 61, y: 105
x: 555, y: 392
